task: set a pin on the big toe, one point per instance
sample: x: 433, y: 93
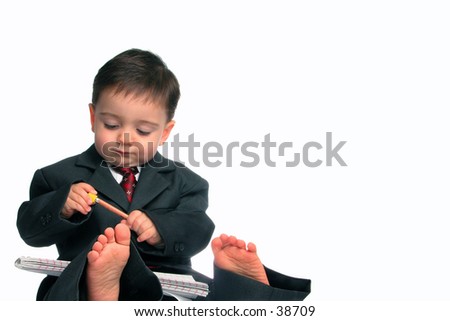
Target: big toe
x: 123, y: 234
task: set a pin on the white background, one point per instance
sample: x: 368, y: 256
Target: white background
x: 374, y: 73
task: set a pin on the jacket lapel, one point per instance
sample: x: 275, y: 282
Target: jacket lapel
x: 105, y: 184
x: 152, y: 181
x: 101, y: 178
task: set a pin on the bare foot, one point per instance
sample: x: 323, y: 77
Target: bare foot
x: 235, y: 256
x: 106, y: 261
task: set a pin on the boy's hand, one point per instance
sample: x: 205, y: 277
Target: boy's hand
x: 78, y: 200
x: 139, y: 222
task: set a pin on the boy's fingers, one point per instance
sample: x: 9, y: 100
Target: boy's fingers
x: 88, y: 188
x: 83, y: 190
x: 131, y: 218
x: 135, y: 219
x: 74, y: 206
x: 80, y: 203
x: 145, y: 236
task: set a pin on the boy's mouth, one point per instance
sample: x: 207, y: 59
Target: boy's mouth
x: 121, y: 152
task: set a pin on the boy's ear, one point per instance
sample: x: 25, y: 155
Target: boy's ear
x: 166, y: 132
x: 92, y: 114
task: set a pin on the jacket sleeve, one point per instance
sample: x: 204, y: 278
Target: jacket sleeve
x: 186, y: 229
x: 39, y: 221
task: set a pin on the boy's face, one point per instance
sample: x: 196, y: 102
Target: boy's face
x: 128, y: 129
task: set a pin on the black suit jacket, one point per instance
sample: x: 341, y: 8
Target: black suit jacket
x: 175, y: 199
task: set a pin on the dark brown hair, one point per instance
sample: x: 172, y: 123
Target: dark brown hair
x: 140, y: 73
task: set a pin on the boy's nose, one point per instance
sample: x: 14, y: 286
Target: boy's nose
x: 124, y: 138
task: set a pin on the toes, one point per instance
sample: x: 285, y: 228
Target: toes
x: 122, y: 234
x: 224, y: 238
x: 92, y: 256
x: 216, y: 245
x: 109, y: 233
x: 98, y: 246
x: 240, y: 244
x: 102, y: 239
x: 232, y: 240
x: 251, y: 247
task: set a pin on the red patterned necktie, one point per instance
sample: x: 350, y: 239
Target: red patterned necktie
x: 129, y: 180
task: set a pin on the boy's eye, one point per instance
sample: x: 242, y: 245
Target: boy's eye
x: 110, y: 126
x: 142, y: 132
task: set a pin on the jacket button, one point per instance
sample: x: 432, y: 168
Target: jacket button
x: 45, y: 219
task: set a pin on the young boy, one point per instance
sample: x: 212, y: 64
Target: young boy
x: 133, y: 103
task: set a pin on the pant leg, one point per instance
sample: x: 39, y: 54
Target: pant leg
x: 228, y: 286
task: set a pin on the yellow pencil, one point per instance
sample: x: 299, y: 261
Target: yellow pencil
x: 97, y: 200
